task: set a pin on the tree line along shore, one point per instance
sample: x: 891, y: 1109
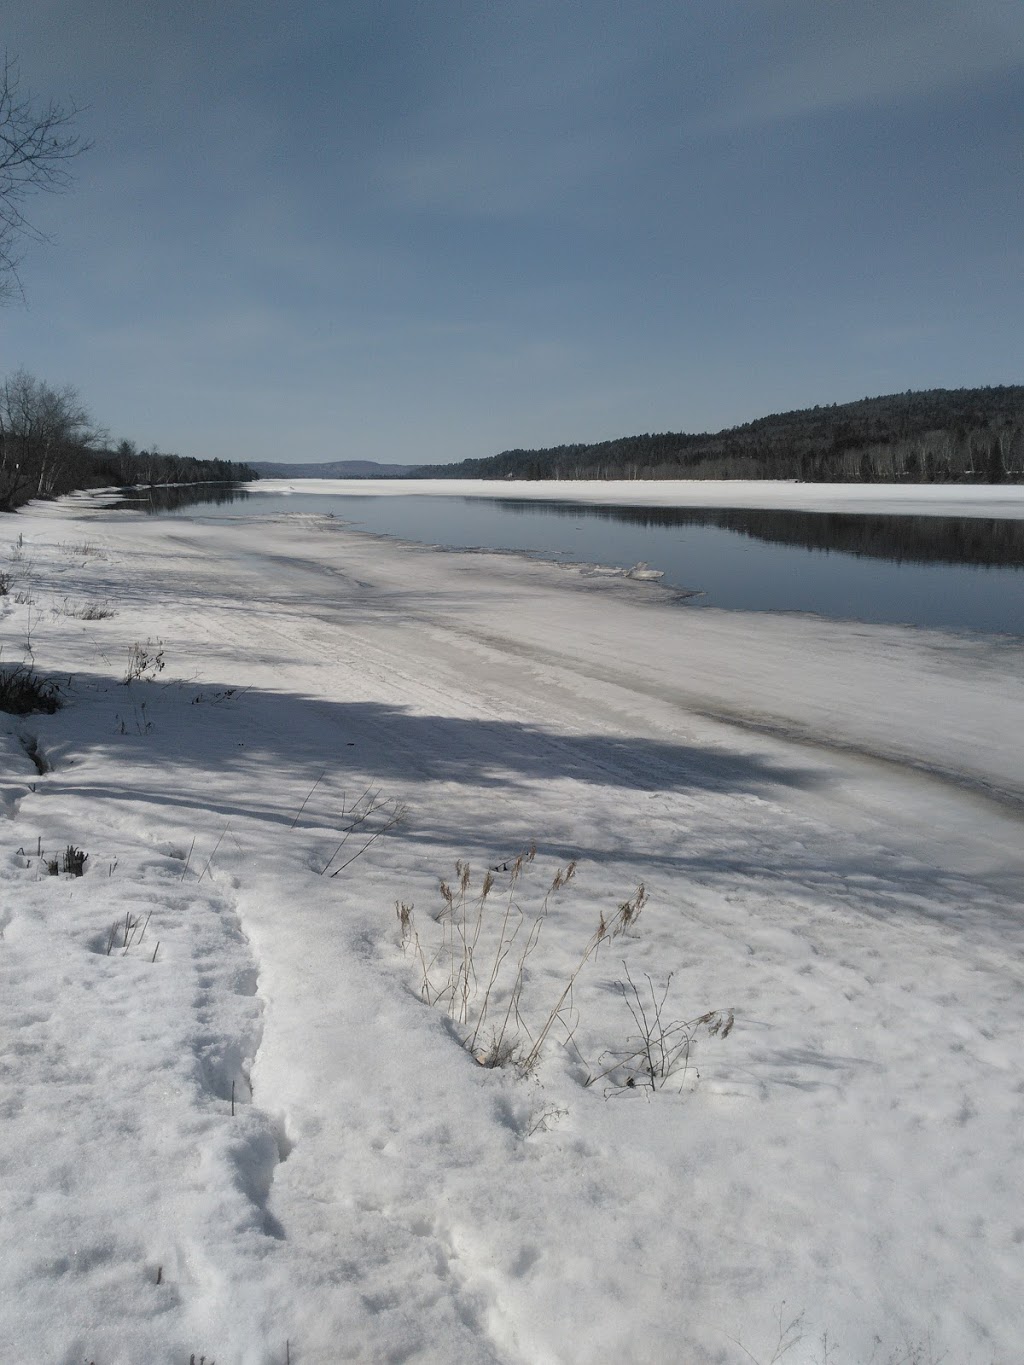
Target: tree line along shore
x: 50, y: 445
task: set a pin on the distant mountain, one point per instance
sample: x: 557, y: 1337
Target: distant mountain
x: 336, y: 469
x: 935, y: 436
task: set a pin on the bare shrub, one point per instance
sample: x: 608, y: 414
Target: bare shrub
x: 661, y: 1047
x: 144, y: 661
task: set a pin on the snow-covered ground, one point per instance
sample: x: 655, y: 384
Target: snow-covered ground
x: 940, y: 500
x: 243, y: 1135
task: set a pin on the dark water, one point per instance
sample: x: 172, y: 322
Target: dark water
x: 959, y: 573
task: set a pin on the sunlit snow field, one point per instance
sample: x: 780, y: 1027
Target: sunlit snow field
x: 232, y: 1125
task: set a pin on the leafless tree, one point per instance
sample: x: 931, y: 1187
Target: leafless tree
x: 42, y: 429
x: 37, y: 145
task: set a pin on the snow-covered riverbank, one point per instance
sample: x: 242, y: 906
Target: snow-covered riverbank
x: 940, y: 500
x: 255, y: 1142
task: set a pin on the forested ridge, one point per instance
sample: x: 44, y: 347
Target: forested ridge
x: 934, y: 436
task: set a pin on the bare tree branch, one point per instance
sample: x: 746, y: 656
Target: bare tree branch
x: 37, y: 145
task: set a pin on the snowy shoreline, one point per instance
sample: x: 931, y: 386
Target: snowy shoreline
x: 256, y: 1141
x: 939, y: 500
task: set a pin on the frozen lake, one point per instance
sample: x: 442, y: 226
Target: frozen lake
x: 954, y: 573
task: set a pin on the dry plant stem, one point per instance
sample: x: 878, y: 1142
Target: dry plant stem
x: 407, y: 935
x: 362, y: 849
x: 468, y: 972
x: 462, y: 972
x: 425, y: 969
x: 512, y: 1008
x: 625, y: 917
x: 191, y: 849
x: 652, y: 1032
x: 360, y: 810
x: 404, y: 913
x: 142, y: 933
x: 367, y: 805
x: 588, y: 952
x: 663, y: 1049
x: 308, y: 795
x: 505, y: 942
x: 213, y: 855
x: 469, y: 943
x: 790, y: 1335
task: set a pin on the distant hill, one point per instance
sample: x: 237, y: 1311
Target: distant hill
x: 935, y: 436
x: 337, y: 469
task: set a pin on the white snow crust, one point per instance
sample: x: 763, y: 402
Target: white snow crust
x: 940, y: 500
x: 256, y: 1143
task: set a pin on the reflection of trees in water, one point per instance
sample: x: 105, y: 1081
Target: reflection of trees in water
x: 922, y: 540
x: 173, y: 498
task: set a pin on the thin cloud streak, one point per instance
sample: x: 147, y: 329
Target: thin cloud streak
x: 817, y: 59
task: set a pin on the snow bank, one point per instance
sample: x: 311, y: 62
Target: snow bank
x: 939, y: 500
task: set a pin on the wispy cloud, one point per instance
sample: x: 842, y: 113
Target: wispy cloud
x: 813, y: 56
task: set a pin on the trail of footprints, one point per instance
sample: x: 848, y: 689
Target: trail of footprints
x: 202, y: 933
x: 229, y: 1030
x: 203, y: 926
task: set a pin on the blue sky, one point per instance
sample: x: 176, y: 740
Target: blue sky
x: 425, y: 231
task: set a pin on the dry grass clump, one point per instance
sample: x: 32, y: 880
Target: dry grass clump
x: 86, y: 611
x: 81, y: 549
x: 477, y: 972
x: 144, y: 661
x: 23, y: 692
x: 72, y: 861
x: 478, y: 969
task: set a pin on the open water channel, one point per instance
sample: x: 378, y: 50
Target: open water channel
x: 954, y: 573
